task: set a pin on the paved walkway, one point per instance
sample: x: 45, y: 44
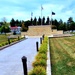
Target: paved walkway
x: 10, y: 58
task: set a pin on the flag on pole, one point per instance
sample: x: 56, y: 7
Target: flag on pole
x: 53, y: 13
x: 41, y: 13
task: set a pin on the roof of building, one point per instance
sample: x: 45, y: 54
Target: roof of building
x: 16, y: 27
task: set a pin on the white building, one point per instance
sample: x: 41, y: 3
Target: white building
x: 15, y: 29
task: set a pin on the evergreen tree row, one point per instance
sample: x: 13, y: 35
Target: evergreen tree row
x: 40, y: 21
x: 59, y: 25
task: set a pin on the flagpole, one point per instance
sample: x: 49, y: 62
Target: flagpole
x: 51, y: 20
x: 41, y: 14
x: 32, y: 17
x: 52, y: 13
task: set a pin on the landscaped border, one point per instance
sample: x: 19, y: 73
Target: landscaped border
x: 40, y: 62
x: 6, y: 44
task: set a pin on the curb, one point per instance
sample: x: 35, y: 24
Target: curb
x: 48, y: 69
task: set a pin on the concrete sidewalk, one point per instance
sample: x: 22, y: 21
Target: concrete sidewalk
x: 10, y: 57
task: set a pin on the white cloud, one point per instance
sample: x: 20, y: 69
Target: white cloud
x: 48, y: 8
x: 21, y: 9
x: 19, y: 16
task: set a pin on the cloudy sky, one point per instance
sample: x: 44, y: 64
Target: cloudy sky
x: 21, y: 9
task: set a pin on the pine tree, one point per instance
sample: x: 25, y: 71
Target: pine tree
x: 48, y: 21
x: 35, y: 21
x: 43, y: 21
x: 12, y: 23
x: 39, y: 21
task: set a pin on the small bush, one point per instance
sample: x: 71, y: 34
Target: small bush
x: 39, y: 65
x: 39, y: 62
x: 41, y: 56
x: 43, y: 48
x: 0, y: 45
x: 45, y: 40
x: 38, y: 71
x: 6, y: 43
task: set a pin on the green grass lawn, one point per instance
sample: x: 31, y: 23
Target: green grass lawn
x: 3, y: 38
x: 63, y: 55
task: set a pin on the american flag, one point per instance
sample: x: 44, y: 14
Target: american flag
x: 53, y: 13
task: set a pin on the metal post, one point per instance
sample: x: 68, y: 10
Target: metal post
x: 43, y: 36
x: 40, y: 40
x: 8, y: 40
x: 24, y: 61
x: 37, y: 46
x: 24, y: 36
x: 18, y: 38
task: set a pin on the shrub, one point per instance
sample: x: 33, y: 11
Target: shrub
x: 45, y: 40
x: 39, y: 65
x: 41, y: 56
x: 38, y: 71
x: 39, y: 62
x: 0, y: 45
x: 3, y: 44
x: 11, y: 41
x: 6, y: 43
x: 43, y: 48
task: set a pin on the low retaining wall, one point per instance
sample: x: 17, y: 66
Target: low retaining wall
x: 40, y: 30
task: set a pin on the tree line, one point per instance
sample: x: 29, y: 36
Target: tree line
x: 59, y: 25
